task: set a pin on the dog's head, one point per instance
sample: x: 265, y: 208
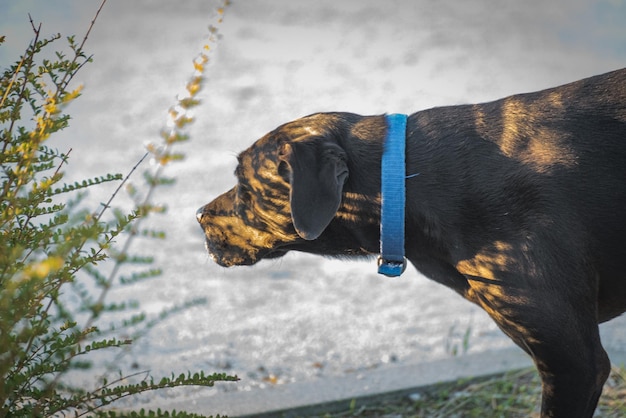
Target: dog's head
x: 291, y: 186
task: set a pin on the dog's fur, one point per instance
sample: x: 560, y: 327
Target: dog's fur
x: 519, y: 206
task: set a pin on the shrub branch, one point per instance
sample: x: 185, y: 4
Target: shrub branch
x: 48, y: 243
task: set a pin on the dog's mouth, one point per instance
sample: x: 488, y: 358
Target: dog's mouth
x: 235, y: 256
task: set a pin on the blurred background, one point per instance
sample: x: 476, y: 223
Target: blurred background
x: 301, y: 317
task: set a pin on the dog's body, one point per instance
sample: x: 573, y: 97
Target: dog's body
x: 519, y: 206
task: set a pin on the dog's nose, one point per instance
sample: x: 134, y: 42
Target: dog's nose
x: 199, y: 213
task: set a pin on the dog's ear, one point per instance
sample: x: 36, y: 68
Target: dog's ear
x: 318, y: 171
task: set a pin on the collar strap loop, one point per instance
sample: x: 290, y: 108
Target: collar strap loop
x: 392, y: 262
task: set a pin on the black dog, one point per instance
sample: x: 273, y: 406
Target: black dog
x: 520, y: 206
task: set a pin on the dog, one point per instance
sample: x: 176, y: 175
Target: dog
x: 519, y: 206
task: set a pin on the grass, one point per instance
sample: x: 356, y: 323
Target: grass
x: 511, y: 395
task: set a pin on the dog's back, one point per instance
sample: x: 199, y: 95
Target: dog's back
x: 550, y: 163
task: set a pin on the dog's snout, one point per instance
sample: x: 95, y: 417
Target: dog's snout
x: 199, y: 214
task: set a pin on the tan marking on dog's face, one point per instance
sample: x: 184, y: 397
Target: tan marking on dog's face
x: 264, y: 197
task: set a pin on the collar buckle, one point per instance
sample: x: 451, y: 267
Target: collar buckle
x: 391, y: 268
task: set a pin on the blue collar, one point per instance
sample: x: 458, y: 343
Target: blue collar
x: 391, y: 261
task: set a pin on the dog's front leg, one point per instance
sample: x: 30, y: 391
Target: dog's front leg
x: 560, y: 332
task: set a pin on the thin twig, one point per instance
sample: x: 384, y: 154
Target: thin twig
x: 15, y: 74
x: 65, y: 80
x: 107, y: 205
x: 125, y: 249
